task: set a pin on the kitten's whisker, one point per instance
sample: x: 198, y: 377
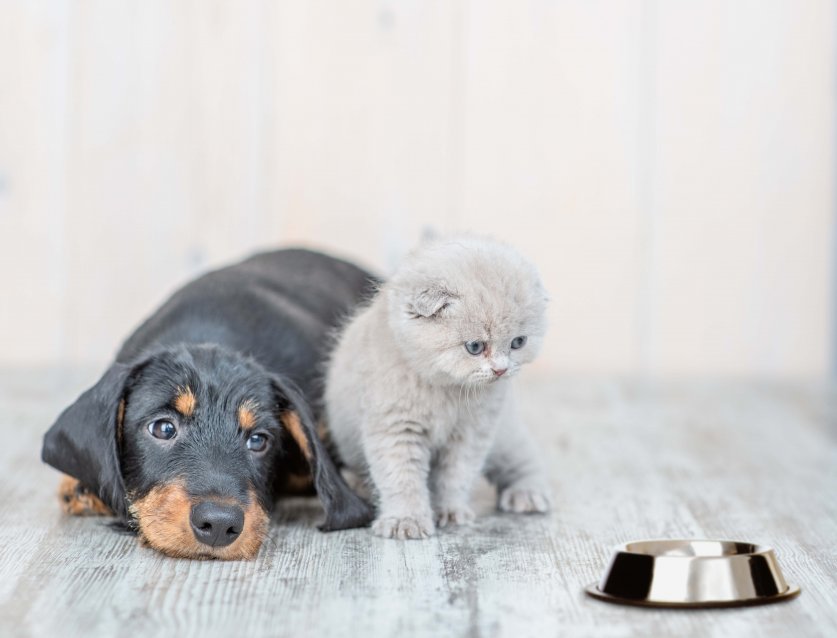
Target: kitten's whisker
x: 468, y: 400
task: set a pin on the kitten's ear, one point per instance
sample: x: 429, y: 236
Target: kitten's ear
x: 83, y: 441
x: 343, y: 508
x: 429, y: 300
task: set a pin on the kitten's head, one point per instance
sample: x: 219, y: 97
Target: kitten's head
x: 467, y: 311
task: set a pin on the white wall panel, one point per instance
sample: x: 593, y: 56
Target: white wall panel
x: 743, y: 186
x: 33, y: 181
x: 362, y: 133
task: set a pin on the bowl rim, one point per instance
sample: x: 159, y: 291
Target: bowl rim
x: 757, y: 549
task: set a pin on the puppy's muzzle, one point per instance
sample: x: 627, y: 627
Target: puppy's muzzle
x: 215, y: 524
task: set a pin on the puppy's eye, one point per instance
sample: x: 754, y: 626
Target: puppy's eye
x: 518, y: 342
x: 257, y: 443
x: 162, y: 429
x: 475, y: 347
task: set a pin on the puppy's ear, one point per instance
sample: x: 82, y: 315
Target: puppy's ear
x: 429, y: 301
x: 343, y: 508
x: 83, y: 441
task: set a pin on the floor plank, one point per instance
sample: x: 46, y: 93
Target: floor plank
x: 630, y: 459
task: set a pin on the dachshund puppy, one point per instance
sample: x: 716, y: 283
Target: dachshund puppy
x: 208, y: 412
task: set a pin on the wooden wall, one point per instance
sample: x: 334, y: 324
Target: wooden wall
x: 670, y: 165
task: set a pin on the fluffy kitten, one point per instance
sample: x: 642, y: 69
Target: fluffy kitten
x: 419, y: 384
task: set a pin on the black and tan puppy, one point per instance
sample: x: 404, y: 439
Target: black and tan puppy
x: 206, y: 417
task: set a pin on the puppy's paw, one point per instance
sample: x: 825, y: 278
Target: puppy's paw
x: 524, y: 500
x: 77, y: 500
x: 403, y: 528
x: 454, y: 515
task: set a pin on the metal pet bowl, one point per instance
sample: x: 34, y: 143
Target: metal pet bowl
x: 692, y: 573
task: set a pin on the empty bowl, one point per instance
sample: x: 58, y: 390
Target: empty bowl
x: 692, y: 573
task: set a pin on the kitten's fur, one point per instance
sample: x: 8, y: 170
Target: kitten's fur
x: 413, y: 412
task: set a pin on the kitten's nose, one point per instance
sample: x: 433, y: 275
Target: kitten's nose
x: 499, y: 372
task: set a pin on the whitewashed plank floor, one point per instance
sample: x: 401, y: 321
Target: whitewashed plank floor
x: 629, y: 459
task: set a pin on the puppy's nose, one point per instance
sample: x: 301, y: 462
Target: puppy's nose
x: 215, y: 524
x: 499, y: 371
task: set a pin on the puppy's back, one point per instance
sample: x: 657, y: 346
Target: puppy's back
x: 278, y: 307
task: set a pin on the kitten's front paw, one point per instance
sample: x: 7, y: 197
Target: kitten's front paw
x: 407, y: 527
x: 524, y: 500
x: 454, y: 515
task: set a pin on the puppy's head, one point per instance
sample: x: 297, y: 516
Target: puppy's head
x: 190, y: 445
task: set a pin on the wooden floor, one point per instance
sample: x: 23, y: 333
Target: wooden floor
x: 630, y: 460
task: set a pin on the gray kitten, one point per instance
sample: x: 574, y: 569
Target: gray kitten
x: 420, y: 383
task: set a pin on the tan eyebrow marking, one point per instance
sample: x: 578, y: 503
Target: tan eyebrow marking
x: 291, y: 421
x: 185, y: 401
x: 247, y: 414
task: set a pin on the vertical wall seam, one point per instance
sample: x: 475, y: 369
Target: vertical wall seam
x: 834, y: 195
x: 647, y: 215
x: 60, y: 258
x: 456, y: 117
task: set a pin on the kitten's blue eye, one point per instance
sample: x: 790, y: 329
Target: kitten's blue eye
x: 475, y: 347
x: 518, y: 342
x: 162, y: 429
x: 257, y: 442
